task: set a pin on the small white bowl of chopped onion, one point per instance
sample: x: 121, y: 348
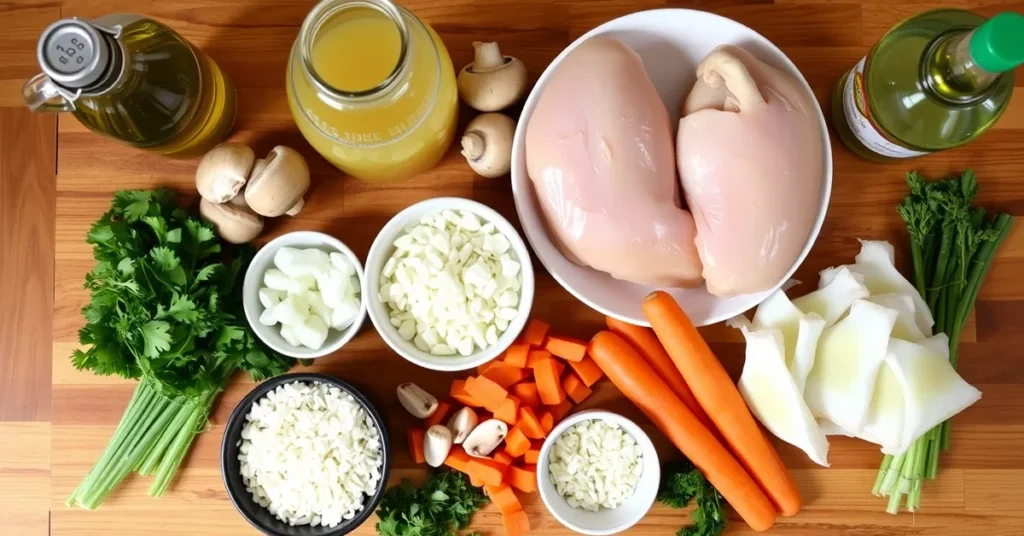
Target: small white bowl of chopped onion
x: 598, y: 473
x: 449, y: 283
x: 302, y: 294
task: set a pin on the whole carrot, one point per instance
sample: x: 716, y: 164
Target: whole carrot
x: 646, y: 342
x: 642, y: 385
x: 718, y: 396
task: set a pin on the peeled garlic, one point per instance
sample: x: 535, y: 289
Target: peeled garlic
x: 838, y: 289
x: 906, y: 324
x: 850, y: 353
x: 773, y: 396
x: 932, y: 390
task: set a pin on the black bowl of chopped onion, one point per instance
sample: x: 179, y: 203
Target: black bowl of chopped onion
x: 305, y: 455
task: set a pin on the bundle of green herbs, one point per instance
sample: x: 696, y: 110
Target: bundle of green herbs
x: 442, y: 506
x: 165, y: 309
x: 681, y: 482
x: 952, y: 245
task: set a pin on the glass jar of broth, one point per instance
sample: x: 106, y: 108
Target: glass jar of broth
x: 372, y: 89
x: 135, y: 80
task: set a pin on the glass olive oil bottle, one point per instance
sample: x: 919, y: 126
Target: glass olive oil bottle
x: 935, y: 81
x: 135, y: 80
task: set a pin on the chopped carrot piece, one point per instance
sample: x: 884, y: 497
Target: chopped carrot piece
x: 485, y: 391
x: 508, y: 411
x: 522, y: 478
x: 559, y: 411
x: 488, y: 471
x: 504, y: 498
x: 587, y: 370
x: 548, y: 384
x: 532, y: 455
x: 527, y: 393
x: 516, y: 523
x: 535, y: 333
x: 516, y: 443
x: 567, y: 348
x: 438, y: 416
x: 530, y: 424
x: 535, y: 356
x: 503, y: 457
x: 505, y: 375
x: 458, y: 392
x: 475, y: 481
x: 416, y: 436
x: 487, y: 366
x: 575, y: 388
x: 547, y: 422
x: 517, y: 354
x: 458, y: 459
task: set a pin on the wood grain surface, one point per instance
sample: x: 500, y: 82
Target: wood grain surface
x: 54, y: 421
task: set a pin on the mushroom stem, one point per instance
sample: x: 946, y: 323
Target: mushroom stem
x: 486, y: 56
x: 473, y: 145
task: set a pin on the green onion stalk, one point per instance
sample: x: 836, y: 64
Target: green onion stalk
x: 952, y: 246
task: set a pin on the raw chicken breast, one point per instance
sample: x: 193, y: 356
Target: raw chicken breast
x: 599, y: 152
x: 751, y: 164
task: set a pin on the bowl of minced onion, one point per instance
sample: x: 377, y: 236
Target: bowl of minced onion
x: 598, y: 473
x: 448, y: 283
x: 305, y: 455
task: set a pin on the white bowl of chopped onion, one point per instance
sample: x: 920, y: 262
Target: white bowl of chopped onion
x: 256, y: 307
x: 448, y: 283
x: 606, y: 488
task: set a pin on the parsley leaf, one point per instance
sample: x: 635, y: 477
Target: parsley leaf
x: 442, y: 506
x: 681, y: 482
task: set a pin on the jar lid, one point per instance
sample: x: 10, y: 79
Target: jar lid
x: 997, y: 45
x: 73, y: 53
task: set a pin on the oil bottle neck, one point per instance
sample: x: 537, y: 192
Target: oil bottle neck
x: 952, y: 73
x: 960, y: 66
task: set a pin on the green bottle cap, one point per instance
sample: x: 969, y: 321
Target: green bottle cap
x: 998, y: 44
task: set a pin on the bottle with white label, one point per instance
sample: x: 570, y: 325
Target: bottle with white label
x: 935, y: 81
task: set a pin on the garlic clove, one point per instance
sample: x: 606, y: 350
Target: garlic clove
x: 462, y: 424
x: 437, y: 443
x: 416, y: 401
x: 486, y: 437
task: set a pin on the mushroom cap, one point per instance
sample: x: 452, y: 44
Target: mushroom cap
x: 493, y: 89
x: 487, y: 144
x: 234, y: 222
x: 223, y: 171
x: 278, y: 183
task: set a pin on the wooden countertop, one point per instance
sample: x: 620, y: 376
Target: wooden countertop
x: 57, y: 178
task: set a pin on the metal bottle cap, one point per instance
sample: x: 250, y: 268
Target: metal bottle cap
x: 73, y: 53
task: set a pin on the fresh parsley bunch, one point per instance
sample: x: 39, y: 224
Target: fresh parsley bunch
x: 443, y: 505
x: 680, y: 483
x: 166, y: 309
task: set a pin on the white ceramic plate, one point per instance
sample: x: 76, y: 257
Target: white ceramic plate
x: 607, y: 521
x: 671, y: 43
x: 383, y: 248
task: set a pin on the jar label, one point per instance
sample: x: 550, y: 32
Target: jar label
x: 858, y: 116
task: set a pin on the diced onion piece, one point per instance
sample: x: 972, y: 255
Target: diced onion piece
x: 838, y: 289
x: 773, y: 396
x: 906, y: 324
x: 850, y: 353
x: 884, y: 424
x: 932, y: 390
x: 881, y: 277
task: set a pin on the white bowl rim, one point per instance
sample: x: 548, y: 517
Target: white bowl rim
x: 250, y: 283
x: 521, y: 197
x: 377, y: 311
x: 632, y: 429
